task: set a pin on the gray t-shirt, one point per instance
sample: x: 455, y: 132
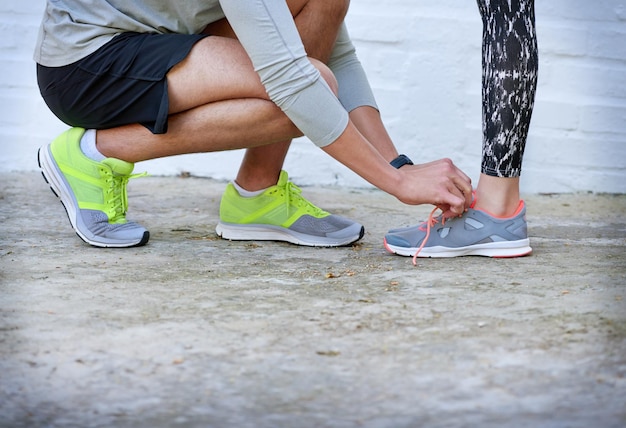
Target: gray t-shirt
x: 73, y: 29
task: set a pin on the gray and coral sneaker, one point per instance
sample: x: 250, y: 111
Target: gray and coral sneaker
x: 475, y: 233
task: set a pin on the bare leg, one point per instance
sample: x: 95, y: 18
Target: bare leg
x: 498, y: 196
x: 231, y: 103
x: 234, y: 124
x: 261, y: 166
x: 318, y: 22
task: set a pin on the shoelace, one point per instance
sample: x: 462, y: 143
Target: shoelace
x: 292, y: 193
x: 117, y: 195
x: 431, y: 222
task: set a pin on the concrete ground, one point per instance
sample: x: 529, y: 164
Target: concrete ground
x: 194, y: 331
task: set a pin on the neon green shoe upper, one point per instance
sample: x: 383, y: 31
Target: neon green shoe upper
x: 99, y: 186
x: 280, y: 213
x: 279, y: 205
x: 93, y: 193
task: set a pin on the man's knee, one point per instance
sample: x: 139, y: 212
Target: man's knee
x: 327, y: 75
x: 334, y: 8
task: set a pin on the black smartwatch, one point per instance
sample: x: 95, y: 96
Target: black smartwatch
x: 401, y: 161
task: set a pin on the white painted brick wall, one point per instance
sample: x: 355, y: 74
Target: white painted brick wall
x: 423, y: 60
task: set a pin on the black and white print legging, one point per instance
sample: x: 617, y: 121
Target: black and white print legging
x: 509, y: 83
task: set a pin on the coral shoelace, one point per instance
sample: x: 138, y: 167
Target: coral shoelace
x: 432, y: 221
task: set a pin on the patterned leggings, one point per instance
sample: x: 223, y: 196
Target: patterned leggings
x: 509, y: 83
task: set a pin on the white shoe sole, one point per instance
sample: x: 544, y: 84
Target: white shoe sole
x: 262, y: 232
x: 503, y: 249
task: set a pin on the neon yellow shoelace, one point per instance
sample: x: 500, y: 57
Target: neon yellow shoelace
x: 116, y: 196
x: 293, y: 193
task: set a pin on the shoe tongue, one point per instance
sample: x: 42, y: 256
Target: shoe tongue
x: 118, y: 166
x: 283, y: 178
x: 473, y: 199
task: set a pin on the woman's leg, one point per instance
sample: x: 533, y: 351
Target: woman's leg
x: 509, y: 83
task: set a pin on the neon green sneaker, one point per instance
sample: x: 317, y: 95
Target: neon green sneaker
x: 280, y: 213
x: 93, y: 193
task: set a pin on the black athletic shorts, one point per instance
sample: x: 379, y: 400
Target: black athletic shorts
x: 123, y: 82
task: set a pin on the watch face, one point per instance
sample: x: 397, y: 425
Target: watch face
x: 401, y: 161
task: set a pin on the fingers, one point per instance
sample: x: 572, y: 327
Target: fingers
x: 459, y: 190
x: 454, y: 200
x: 465, y: 186
x: 439, y: 183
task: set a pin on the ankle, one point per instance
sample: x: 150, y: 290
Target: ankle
x: 498, y: 196
x: 255, y: 182
x: 499, y: 210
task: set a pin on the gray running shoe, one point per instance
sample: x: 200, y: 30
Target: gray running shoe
x: 281, y: 213
x: 93, y: 193
x: 475, y: 233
